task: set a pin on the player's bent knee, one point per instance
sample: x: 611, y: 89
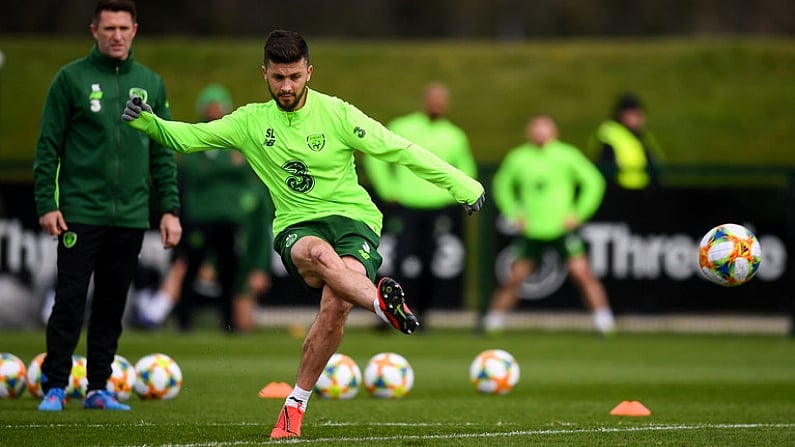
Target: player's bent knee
x: 323, y: 256
x: 312, y: 255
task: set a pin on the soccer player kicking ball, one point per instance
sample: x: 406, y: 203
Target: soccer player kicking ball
x: 301, y: 145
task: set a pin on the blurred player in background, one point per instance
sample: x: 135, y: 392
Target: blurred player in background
x: 226, y: 241
x: 628, y: 154
x: 92, y: 179
x: 301, y: 144
x: 547, y: 189
x: 422, y: 216
x: 255, y: 244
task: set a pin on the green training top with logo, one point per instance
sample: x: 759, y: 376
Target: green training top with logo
x: 545, y: 185
x: 306, y: 156
x: 101, y: 168
x: 399, y: 184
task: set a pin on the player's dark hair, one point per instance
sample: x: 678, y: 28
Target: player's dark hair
x: 115, y: 6
x: 626, y: 101
x: 285, y: 47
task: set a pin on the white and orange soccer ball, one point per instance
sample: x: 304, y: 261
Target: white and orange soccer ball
x: 340, y: 378
x: 729, y: 255
x: 494, y: 371
x: 78, y: 378
x: 12, y: 376
x: 388, y: 376
x: 33, y: 381
x: 158, y: 376
x: 122, y: 378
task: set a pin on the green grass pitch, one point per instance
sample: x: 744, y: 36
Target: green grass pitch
x: 702, y: 390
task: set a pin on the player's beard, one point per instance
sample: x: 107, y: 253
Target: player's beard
x: 286, y: 104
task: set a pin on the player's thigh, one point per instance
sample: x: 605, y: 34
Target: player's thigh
x: 354, y: 264
x: 572, y: 248
x: 526, y: 254
x: 312, y: 258
x: 295, y: 244
x: 354, y: 239
x: 580, y: 269
x: 521, y: 268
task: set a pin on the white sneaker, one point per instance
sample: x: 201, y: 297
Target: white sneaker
x: 494, y: 321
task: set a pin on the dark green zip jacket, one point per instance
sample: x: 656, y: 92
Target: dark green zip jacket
x: 89, y: 164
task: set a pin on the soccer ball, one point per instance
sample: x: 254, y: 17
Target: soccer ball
x: 729, y: 255
x: 34, y: 375
x: 494, y: 371
x: 12, y: 376
x: 157, y: 377
x: 78, y: 379
x: 388, y: 376
x: 122, y: 378
x: 77, y: 382
x: 340, y: 378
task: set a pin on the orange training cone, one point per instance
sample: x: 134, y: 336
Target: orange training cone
x: 276, y: 390
x: 630, y: 408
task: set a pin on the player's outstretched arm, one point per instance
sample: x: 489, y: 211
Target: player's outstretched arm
x: 180, y: 136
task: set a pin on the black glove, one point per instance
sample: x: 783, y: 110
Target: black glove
x: 475, y: 207
x: 134, y: 107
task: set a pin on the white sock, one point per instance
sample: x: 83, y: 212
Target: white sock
x: 603, y: 320
x: 494, y: 321
x: 379, y: 312
x: 160, y: 305
x: 46, y: 308
x: 142, y: 299
x: 299, y: 398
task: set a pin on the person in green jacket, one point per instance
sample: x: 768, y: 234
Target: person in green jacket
x: 423, y: 217
x: 92, y: 180
x: 626, y: 151
x: 547, y: 189
x: 301, y: 144
x: 216, y: 185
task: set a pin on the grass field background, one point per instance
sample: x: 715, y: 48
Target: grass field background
x: 711, y: 101
x: 702, y: 389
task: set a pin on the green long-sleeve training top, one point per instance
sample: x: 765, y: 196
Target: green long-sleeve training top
x: 306, y: 157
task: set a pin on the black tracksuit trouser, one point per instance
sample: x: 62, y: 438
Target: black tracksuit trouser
x: 111, y: 254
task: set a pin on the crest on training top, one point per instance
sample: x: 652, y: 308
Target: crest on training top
x: 139, y: 92
x: 69, y: 239
x: 316, y: 141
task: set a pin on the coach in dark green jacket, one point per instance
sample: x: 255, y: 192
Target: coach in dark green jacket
x: 92, y: 186
x: 104, y: 165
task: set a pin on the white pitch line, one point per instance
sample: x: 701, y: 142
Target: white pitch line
x: 132, y: 424
x: 508, y: 434
x: 403, y: 424
x: 524, y: 433
x: 61, y: 425
x: 368, y: 439
x: 256, y: 424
